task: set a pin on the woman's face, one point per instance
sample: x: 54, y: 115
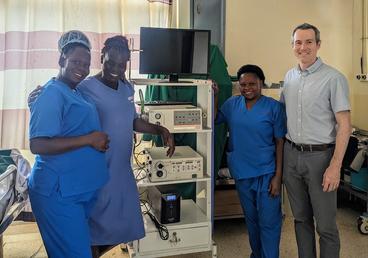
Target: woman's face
x: 114, y: 65
x: 75, y: 66
x: 250, y: 86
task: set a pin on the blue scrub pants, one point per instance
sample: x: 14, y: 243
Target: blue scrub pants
x: 262, y: 215
x: 63, y: 223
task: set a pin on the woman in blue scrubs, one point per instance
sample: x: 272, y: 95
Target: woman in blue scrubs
x: 70, y: 164
x: 257, y: 128
x: 116, y: 218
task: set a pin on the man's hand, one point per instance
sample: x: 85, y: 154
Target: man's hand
x: 331, y: 178
x: 275, y: 186
x: 168, y: 141
x: 34, y: 95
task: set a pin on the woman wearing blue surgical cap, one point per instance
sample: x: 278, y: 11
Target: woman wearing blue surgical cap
x: 257, y: 128
x: 70, y: 164
x: 116, y: 217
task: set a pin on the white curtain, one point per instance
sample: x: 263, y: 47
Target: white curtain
x: 29, y: 30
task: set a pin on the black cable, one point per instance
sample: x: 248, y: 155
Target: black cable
x: 162, y: 229
x: 141, y: 171
x: 136, y: 156
x: 144, y: 204
x: 142, y: 193
x: 139, y: 143
x: 138, y: 172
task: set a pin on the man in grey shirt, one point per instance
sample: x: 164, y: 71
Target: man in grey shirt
x: 316, y: 98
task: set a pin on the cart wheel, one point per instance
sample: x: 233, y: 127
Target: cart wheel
x: 363, y: 225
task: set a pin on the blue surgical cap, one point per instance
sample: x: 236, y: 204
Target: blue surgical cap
x: 73, y: 36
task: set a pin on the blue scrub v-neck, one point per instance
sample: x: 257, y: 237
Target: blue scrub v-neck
x: 254, y: 105
x: 251, y: 149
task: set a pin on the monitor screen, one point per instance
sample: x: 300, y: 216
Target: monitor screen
x: 174, y: 51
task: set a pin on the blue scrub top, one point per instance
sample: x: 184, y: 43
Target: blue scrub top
x: 62, y: 112
x: 251, y: 149
x: 121, y: 220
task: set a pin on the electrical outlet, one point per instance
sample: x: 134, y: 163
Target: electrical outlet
x: 362, y: 77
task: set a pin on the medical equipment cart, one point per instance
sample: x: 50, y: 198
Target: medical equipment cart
x: 194, y: 231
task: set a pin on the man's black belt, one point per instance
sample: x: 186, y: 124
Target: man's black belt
x: 310, y: 147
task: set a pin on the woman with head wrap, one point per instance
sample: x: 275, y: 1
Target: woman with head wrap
x: 117, y: 218
x: 257, y: 127
x: 70, y: 164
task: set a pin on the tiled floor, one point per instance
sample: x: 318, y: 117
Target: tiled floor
x: 22, y: 240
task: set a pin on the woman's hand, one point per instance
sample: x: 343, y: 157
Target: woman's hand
x: 34, y: 95
x: 275, y: 186
x: 168, y: 141
x: 215, y: 88
x: 98, y: 140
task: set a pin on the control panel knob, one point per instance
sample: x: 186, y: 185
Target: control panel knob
x: 157, y: 115
x: 159, y: 173
x: 160, y: 166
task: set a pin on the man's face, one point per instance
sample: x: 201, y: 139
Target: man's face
x: 305, y: 47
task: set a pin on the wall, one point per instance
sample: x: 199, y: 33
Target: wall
x: 183, y: 8
x: 360, y: 89
x: 259, y: 32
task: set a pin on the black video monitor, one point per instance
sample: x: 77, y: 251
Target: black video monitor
x: 174, y: 52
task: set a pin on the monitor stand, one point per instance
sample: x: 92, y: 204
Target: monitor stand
x: 174, y: 78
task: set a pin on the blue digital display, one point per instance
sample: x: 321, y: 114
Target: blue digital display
x: 171, y: 197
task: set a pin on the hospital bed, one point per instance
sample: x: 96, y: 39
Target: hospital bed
x: 13, y: 188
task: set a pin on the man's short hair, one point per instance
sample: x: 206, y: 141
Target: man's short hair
x: 307, y: 26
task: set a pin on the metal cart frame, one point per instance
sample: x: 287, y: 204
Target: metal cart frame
x: 362, y: 221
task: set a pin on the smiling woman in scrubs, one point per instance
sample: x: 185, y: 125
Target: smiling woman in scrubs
x: 116, y: 218
x: 257, y: 127
x: 70, y: 164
